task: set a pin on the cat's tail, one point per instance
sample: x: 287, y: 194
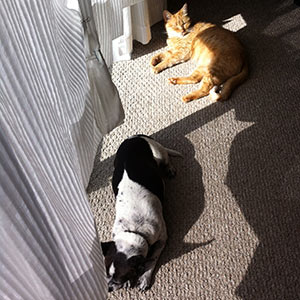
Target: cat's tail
x: 231, y: 83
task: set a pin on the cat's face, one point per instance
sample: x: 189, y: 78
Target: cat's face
x: 177, y: 25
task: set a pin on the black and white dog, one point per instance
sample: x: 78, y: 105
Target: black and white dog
x: 139, y: 230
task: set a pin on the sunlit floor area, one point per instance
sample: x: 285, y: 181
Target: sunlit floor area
x: 233, y: 210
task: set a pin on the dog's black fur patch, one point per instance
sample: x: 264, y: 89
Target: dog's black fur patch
x: 135, y: 156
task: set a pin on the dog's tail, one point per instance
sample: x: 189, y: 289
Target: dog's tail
x: 172, y: 152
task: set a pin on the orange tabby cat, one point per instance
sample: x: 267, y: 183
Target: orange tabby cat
x: 220, y: 56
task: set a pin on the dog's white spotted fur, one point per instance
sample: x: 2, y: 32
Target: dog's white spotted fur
x: 137, y: 210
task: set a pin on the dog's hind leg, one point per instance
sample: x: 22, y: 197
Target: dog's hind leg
x: 144, y: 282
x: 161, y: 156
x: 172, y: 152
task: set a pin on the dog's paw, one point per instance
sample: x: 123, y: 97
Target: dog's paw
x: 143, y: 283
x: 127, y: 285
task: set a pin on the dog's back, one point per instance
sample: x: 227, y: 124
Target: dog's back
x: 135, y: 156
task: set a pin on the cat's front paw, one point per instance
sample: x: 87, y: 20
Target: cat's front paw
x: 155, y: 60
x: 156, y: 70
x: 173, y: 80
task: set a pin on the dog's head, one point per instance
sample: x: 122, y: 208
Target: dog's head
x: 121, y: 267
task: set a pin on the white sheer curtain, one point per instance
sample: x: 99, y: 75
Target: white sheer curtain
x: 119, y: 22
x: 50, y: 127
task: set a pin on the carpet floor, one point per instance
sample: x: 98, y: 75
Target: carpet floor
x: 233, y: 210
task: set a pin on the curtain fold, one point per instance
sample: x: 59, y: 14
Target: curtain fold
x: 49, y: 133
x: 101, y: 84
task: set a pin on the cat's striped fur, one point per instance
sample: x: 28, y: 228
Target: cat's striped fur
x: 220, y: 57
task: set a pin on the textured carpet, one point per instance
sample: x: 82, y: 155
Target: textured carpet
x: 233, y: 211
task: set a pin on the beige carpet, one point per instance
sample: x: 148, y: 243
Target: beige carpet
x: 232, y: 212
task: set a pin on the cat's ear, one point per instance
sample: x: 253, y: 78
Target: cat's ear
x: 184, y: 9
x: 167, y: 15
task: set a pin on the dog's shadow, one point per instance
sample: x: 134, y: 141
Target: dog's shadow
x: 184, y: 201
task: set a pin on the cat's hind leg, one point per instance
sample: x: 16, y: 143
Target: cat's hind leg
x: 215, y: 94
x: 205, y: 86
x: 195, y: 77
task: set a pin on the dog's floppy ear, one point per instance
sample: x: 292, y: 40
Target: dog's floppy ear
x: 138, y: 263
x: 108, y: 248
